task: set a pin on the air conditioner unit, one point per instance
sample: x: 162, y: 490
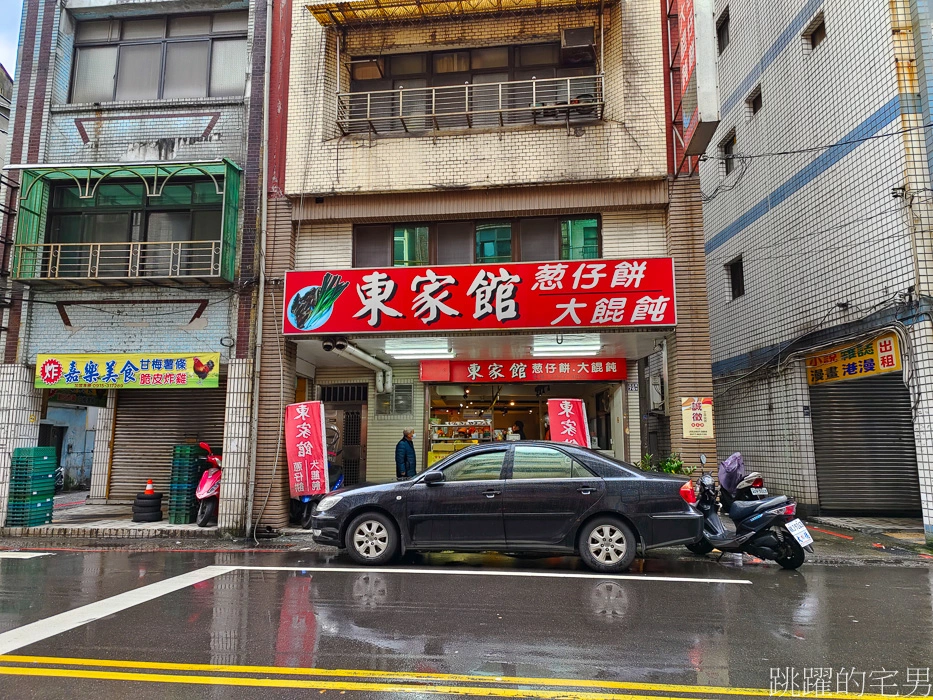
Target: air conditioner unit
x: 578, y: 46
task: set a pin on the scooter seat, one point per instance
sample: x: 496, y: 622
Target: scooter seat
x: 740, y: 510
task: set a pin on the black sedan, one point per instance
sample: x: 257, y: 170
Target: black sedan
x: 524, y: 497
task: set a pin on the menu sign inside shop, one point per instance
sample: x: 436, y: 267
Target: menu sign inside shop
x: 563, y: 369
x: 499, y: 296
x: 122, y: 371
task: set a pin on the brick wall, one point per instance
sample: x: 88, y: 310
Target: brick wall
x: 383, y: 432
x: 629, y: 143
x: 823, y: 241
x: 127, y: 326
x: 688, y: 353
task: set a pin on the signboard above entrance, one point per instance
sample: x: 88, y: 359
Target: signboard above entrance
x: 552, y: 369
x: 163, y: 370
x: 866, y: 359
x: 496, y: 296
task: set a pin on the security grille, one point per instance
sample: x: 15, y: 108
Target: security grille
x: 863, y: 438
x: 352, y: 435
x: 340, y: 393
x: 398, y: 402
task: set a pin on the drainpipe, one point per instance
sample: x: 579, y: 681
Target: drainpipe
x: 264, y: 199
x: 382, y: 370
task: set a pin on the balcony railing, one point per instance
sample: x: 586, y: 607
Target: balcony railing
x: 118, y: 261
x: 521, y: 102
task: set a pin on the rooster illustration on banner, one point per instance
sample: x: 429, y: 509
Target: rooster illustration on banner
x: 202, y: 369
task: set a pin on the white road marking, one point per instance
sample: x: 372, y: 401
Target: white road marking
x: 55, y: 625
x: 23, y: 555
x: 51, y: 626
x: 517, y: 574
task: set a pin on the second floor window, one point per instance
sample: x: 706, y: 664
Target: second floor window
x: 468, y: 242
x: 186, y: 56
x: 121, y: 232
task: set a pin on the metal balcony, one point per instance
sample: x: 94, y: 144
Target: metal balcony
x: 103, y: 262
x: 550, y: 101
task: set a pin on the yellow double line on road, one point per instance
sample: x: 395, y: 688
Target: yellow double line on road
x: 370, y: 680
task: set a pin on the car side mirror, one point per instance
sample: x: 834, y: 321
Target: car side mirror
x: 703, y: 460
x: 204, y: 446
x: 435, y: 477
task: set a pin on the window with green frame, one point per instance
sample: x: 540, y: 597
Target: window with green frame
x: 579, y: 239
x: 493, y: 242
x: 528, y: 239
x: 128, y: 221
x: 410, y: 246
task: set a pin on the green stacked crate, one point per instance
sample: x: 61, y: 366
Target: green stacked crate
x: 32, y: 487
x: 187, y: 465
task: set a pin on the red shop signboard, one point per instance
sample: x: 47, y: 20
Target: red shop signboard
x: 502, y: 296
x: 567, y: 419
x: 304, y: 447
x: 556, y: 369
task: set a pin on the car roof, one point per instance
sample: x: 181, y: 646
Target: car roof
x: 605, y: 466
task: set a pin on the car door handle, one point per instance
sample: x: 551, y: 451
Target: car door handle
x: 491, y: 493
x: 586, y: 490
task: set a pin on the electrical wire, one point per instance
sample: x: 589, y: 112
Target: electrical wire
x: 784, y: 241
x: 776, y: 356
x: 281, y: 430
x: 814, y: 149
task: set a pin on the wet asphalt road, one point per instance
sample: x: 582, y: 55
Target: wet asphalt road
x: 564, y: 634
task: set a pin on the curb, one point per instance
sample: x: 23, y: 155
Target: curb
x: 125, y: 533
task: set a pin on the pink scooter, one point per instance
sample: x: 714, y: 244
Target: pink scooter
x: 208, y: 492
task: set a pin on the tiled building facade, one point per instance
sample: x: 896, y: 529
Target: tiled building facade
x: 502, y: 150
x: 816, y: 222
x: 136, y: 139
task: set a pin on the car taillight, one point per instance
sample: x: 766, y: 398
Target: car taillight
x: 789, y: 509
x: 758, y: 483
x: 686, y: 493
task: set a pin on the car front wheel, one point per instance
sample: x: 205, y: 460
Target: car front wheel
x: 607, y: 545
x: 372, y: 539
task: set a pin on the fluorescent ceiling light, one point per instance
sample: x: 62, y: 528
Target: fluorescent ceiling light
x: 569, y: 352
x: 582, y: 344
x: 419, y: 348
x: 423, y: 355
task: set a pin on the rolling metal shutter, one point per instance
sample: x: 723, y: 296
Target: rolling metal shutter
x: 149, y: 423
x: 863, y: 437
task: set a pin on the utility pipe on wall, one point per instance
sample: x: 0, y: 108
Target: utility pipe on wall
x: 382, y: 370
x: 261, y: 291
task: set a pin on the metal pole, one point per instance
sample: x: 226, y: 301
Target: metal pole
x: 602, y: 42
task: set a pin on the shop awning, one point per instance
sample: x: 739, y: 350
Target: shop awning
x: 36, y: 182
x: 357, y: 12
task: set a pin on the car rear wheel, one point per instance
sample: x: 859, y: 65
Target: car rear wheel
x: 607, y: 545
x: 372, y: 539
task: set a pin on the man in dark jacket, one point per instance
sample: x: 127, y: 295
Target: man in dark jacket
x: 405, y: 456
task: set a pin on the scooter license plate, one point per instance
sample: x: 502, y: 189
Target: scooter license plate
x: 800, y: 532
x: 759, y: 492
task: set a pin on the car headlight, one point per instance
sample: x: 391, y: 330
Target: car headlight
x: 329, y: 502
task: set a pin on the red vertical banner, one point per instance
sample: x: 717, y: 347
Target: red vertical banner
x: 567, y: 418
x: 304, y: 446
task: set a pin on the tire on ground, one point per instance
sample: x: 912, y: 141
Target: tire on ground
x: 147, y: 508
x: 147, y: 517
x: 143, y: 496
x: 607, y: 545
x: 372, y: 538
